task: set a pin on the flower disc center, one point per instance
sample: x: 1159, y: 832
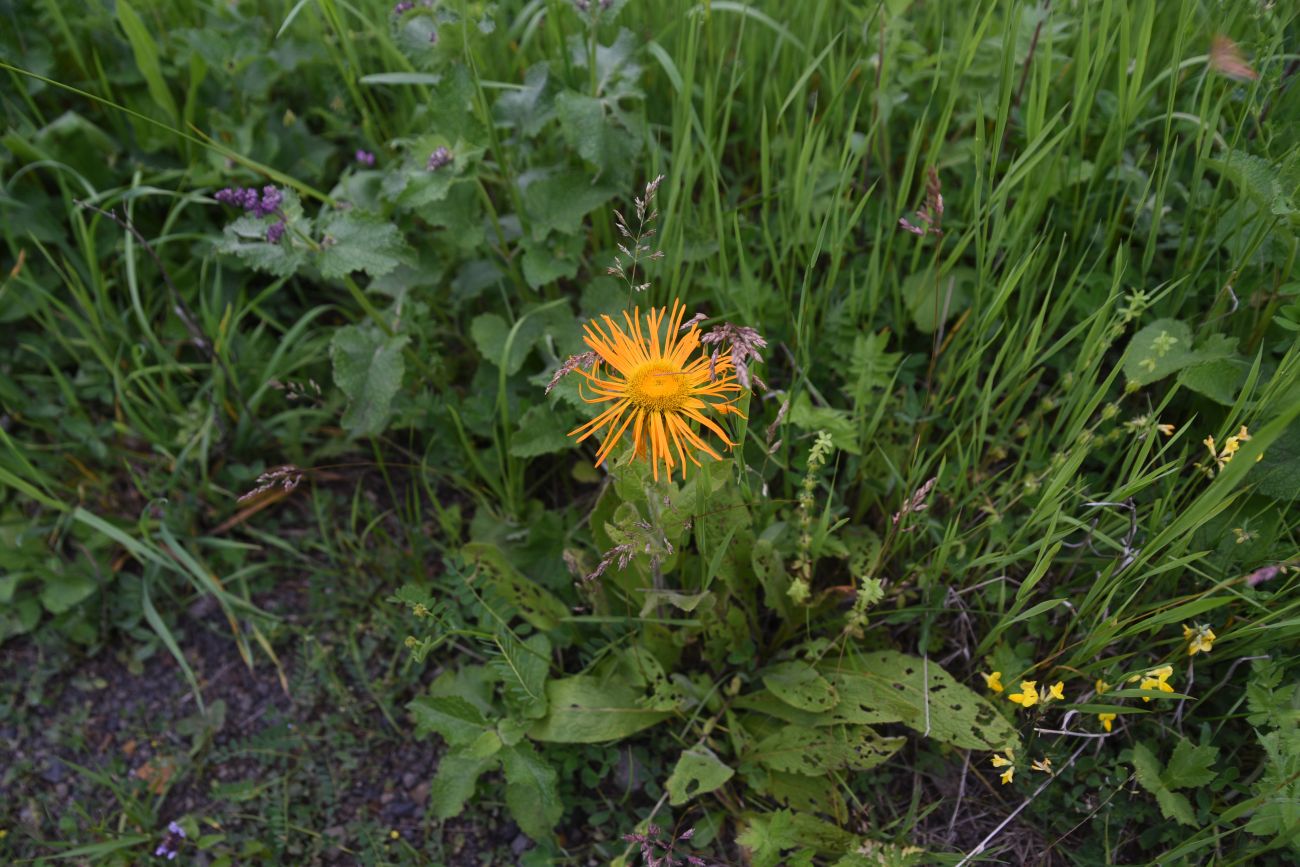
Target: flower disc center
x: 658, y: 385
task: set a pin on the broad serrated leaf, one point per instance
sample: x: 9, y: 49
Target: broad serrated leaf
x: 698, y: 772
x: 458, y: 721
x: 895, y: 686
x: 588, y: 710
x: 531, y: 106
x: 547, y: 261
x: 368, y: 368
x: 539, y: 433
x: 1220, y: 380
x: 1162, y: 348
x: 454, y: 783
x: 354, y: 241
x: 798, y: 684
x: 1190, y: 765
x: 531, y: 792
x: 245, y: 239
x: 592, y: 131
x: 559, y: 201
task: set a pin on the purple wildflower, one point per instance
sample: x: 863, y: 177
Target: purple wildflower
x: 263, y: 205
x: 272, y: 198
x: 403, y: 7
x: 275, y: 232
x: 171, y: 843
x: 366, y: 158
x: 438, y: 159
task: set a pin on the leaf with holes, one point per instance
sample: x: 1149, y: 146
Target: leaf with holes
x: 922, y: 696
x: 798, y: 684
x: 813, y: 752
x: 698, y: 772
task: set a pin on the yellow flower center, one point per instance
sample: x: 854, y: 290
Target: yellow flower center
x: 659, y: 386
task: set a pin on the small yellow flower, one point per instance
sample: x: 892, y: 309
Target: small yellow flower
x: 1028, y: 695
x: 1102, y: 686
x: 1057, y: 691
x: 1157, y: 679
x: 1199, y: 640
x: 1243, y: 434
x: 1209, y: 444
x: 1162, y: 673
x: 1045, y: 765
x: 1106, y: 720
x: 393, y: 834
x: 1007, y: 775
x: 993, y: 681
x: 1166, y: 429
x: 1004, y: 760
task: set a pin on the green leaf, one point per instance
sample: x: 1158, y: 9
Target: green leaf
x: 1278, y: 473
x: 587, y: 710
x: 894, y: 685
x: 245, y: 239
x: 353, y: 241
x: 798, y: 684
x: 64, y: 589
x: 368, y: 368
x: 536, y: 604
x: 559, y: 201
x: 547, y: 261
x: 531, y: 792
x: 458, y: 721
x: 1190, y: 765
x: 145, y: 51
x: 454, y: 783
x: 932, y: 304
x: 1220, y: 380
x: 1146, y: 768
x: 523, y: 668
x: 530, y: 107
x: 767, y: 836
x: 870, y: 366
x: 698, y: 772
x: 539, y: 433
x: 816, y: 751
x: 595, y: 135
x: 836, y: 422
x: 1162, y: 348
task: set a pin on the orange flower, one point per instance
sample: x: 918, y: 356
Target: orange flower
x: 656, y: 388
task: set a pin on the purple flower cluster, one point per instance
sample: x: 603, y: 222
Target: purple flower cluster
x: 171, y: 844
x: 438, y: 159
x: 275, y: 232
x: 262, y: 205
x: 366, y: 158
x: 404, y: 6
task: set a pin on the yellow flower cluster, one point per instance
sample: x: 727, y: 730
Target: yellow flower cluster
x: 1199, y: 640
x: 1156, y: 679
x: 1230, y: 447
x: 1029, y: 694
